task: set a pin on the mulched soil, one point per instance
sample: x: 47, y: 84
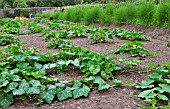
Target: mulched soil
x: 123, y: 97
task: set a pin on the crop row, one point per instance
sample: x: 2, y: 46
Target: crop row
x: 25, y: 73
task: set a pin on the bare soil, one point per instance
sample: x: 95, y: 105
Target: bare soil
x: 123, y: 97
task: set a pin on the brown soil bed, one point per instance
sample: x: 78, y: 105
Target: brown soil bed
x: 114, y: 98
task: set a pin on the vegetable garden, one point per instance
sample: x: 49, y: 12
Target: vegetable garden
x: 29, y: 72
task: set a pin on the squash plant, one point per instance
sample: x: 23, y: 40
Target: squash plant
x: 134, y: 36
x: 12, y: 27
x: 156, y: 87
x: 4, y: 21
x: 23, y: 73
x: 34, y: 28
x: 135, y: 49
x: 57, y: 42
x: 6, y: 39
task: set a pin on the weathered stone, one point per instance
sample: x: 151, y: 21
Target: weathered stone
x: 25, y: 11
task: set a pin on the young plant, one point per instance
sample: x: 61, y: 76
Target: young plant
x: 133, y: 36
x: 34, y: 28
x: 168, y: 43
x: 57, y: 42
x: 156, y: 87
x: 7, y: 39
x: 135, y: 49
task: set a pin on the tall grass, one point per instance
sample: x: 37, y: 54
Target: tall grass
x: 146, y: 13
x: 163, y: 14
x: 140, y: 12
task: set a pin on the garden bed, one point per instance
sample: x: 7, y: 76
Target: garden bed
x: 121, y: 97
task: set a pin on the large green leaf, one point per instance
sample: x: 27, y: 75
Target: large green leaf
x: 80, y: 90
x: 18, y: 92
x: 3, y: 64
x: 167, y: 80
x: 14, y: 77
x: 38, y: 74
x: 34, y: 83
x: 3, y: 82
x: 22, y: 65
x: 5, y: 99
x: 162, y: 97
x: 47, y: 96
x: 165, y: 87
x: 48, y: 92
x: 147, y: 83
x: 147, y: 94
x: 102, y: 84
x: 38, y: 66
x: 33, y: 90
x: 155, y: 76
x: 11, y: 86
x: 99, y: 80
x: 94, y: 69
x: 76, y: 62
x: 64, y: 94
x: 23, y: 87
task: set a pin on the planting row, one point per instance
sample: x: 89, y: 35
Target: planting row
x: 25, y: 73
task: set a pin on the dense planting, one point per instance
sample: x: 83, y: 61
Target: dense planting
x: 142, y: 12
x: 25, y: 73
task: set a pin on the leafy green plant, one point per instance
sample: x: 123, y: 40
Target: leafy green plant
x: 6, y: 39
x: 12, y: 23
x: 156, y: 86
x: 134, y: 36
x: 4, y: 21
x: 168, y: 43
x: 57, y: 42
x: 134, y: 48
x: 49, y: 35
x: 34, y: 28
x: 12, y: 30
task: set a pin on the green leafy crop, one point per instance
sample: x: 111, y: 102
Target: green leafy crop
x: 134, y: 48
x: 6, y: 39
x: 156, y: 87
x: 168, y: 43
x: 134, y: 36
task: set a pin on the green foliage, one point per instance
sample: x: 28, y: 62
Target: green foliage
x: 134, y: 48
x: 163, y: 14
x: 143, y: 12
x: 134, y: 36
x: 92, y: 15
x: 4, y: 21
x: 34, y: 28
x: 6, y: 39
x: 57, y: 42
x: 25, y: 73
x: 156, y: 86
x: 168, y: 43
x: 12, y: 27
x: 146, y: 12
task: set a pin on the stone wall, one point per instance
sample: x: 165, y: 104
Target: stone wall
x: 4, y: 13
